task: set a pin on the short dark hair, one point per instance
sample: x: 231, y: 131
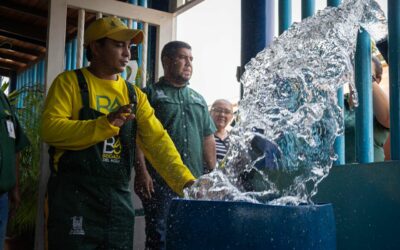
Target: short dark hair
x: 89, y: 55
x: 171, y: 48
x: 378, y: 66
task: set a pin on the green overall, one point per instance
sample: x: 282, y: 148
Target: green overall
x: 89, y: 199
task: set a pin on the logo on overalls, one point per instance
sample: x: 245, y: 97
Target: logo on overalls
x: 112, y: 150
x: 77, y: 229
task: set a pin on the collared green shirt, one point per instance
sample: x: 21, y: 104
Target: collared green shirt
x: 184, y: 114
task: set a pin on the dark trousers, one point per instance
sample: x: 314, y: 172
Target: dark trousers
x: 156, y: 211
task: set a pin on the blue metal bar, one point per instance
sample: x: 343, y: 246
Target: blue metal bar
x: 340, y: 141
x: 41, y: 73
x: 85, y: 60
x: 69, y: 55
x: 22, y: 85
x: 25, y: 78
x: 68, y: 48
x: 307, y: 8
x: 29, y: 77
x: 285, y: 15
x: 18, y: 81
x: 364, y: 111
x: 333, y: 3
x: 394, y: 71
x: 134, y: 23
x: 34, y: 74
x: 142, y: 3
x: 73, y: 53
x: 257, y: 28
x: 339, y: 145
x: 19, y: 85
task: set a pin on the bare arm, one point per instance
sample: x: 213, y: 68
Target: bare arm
x: 143, y: 182
x: 381, y: 105
x: 209, y: 153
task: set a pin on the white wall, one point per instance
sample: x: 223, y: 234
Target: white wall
x: 213, y: 30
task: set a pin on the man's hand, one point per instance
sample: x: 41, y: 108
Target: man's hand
x: 189, y: 184
x: 119, y: 117
x: 143, y: 185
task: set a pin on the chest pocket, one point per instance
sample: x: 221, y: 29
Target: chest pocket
x: 160, y: 100
x: 196, y: 101
x: 166, y: 107
x: 196, y: 108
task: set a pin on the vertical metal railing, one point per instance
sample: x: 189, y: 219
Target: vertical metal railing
x: 257, y: 30
x: 394, y: 80
x: 333, y: 3
x: 307, y: 8
x: 143, y: 49
x: 364, y: 111
x: 339, y: 145
x: 285, y: 15
x: 29, y: 84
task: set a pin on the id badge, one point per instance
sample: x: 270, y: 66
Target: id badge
x: 10, y: 129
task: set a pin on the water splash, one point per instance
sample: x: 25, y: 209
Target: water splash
x: 289, y: 109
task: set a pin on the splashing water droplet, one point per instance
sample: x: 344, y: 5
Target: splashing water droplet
x: 288, y: 117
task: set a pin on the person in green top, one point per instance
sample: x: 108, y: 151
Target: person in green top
x: 381, y: 117
x: 12, y: 141
x: 184, y: 114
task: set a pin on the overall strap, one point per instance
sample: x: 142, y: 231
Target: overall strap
x: 132, y: 96
x: 85, y: 102
x: 133, y: 100
x: 83, y: 87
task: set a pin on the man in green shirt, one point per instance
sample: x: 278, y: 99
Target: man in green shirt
x: 12, y: 141
x: 184, y: 114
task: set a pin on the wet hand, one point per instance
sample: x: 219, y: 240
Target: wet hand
x: 119, y: 117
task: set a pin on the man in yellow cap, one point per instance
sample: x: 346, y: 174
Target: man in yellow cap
x: 90, y: 120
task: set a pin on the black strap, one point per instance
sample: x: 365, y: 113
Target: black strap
x: 133, y: 100
x: 83, y: 87
x: 132, y: 96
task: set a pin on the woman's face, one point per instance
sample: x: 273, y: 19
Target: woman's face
x: 222, y: 114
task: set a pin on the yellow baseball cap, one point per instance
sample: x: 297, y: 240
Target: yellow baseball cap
x: 113, y: 28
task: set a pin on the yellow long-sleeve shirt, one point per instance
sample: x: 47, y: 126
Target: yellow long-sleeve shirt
x: 62, y: 129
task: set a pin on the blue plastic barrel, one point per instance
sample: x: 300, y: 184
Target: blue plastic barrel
x: 194, y: 224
